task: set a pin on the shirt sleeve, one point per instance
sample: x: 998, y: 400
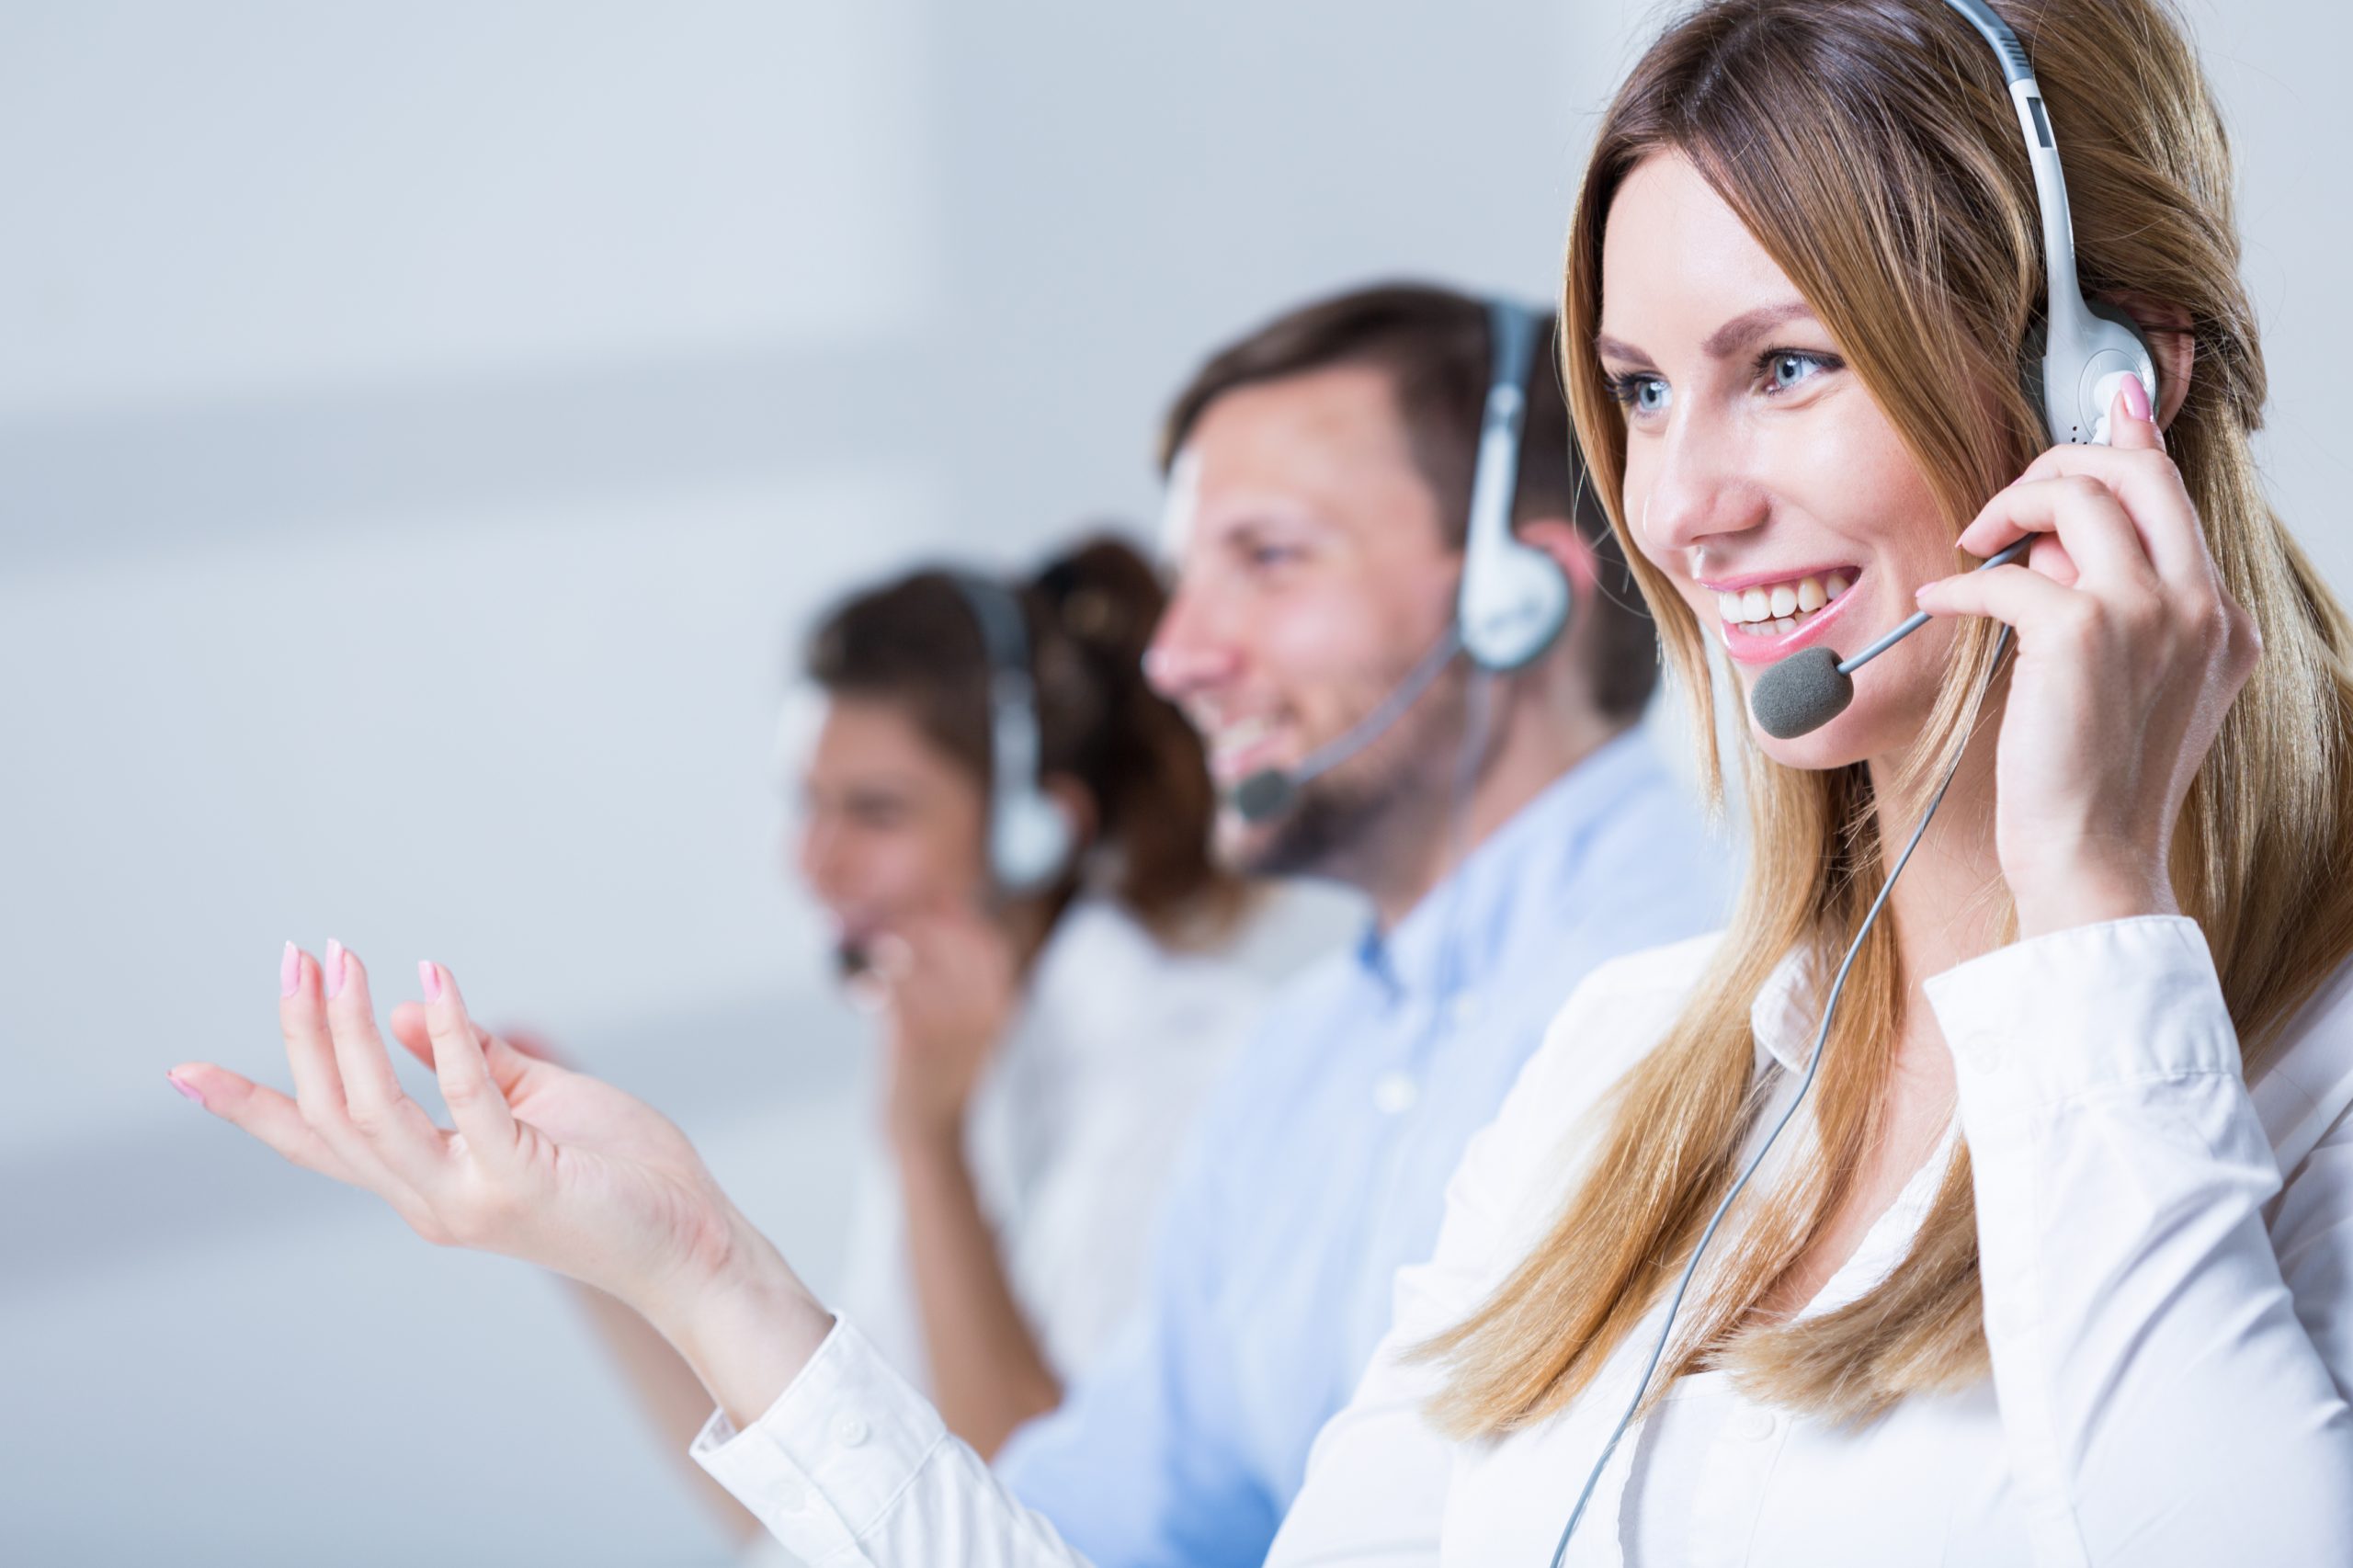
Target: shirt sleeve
x: 851, y: 1466
x: 2168, y: 1322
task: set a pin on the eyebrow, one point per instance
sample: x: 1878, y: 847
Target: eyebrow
x: 1728, y: 338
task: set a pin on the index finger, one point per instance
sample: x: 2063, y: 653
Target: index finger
x: 2148, y: 486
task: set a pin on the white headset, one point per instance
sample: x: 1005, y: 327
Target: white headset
x: 2087, y: 349
x: 1032, y: 837
x: 1514, y: 599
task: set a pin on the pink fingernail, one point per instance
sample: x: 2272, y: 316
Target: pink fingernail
x: 335, y: 967
x: 182, y: 1088
x: 289, y: 970
x: 2136, y: 397
x: 431, y: 973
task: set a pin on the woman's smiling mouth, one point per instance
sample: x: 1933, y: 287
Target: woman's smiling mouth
x: 1764, y: 618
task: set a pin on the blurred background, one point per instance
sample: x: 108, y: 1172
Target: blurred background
x: 425, y: 430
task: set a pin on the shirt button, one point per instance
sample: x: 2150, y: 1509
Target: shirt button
x: 1983, y: 1055
x: 849, y: 1431
x: 1393, y: 1094
x: 1753, y: 1424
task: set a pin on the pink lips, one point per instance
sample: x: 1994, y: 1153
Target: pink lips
x: 1751, y: 648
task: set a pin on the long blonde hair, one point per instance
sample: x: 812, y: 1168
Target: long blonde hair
x: 1868, y: 146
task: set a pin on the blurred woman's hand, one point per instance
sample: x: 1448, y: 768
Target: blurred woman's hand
x: 947, y: 985
x: 543, y: 1164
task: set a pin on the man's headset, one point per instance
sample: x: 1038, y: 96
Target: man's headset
x: 2088, y: 352
x: 1030, y: 835
x: 1513, y: 601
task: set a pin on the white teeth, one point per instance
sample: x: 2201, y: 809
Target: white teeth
x: 1239, y: 736
x: 1780, y: 609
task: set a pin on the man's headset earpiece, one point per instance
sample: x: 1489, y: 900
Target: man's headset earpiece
x: 1031, y: 838
x: 2072, y: 375
x: 1513, y: 600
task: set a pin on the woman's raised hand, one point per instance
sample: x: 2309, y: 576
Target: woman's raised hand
x: 541, y: 1163
x: 2130, y: 651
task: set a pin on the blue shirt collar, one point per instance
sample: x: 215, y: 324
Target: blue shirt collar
x: 1459, y: 934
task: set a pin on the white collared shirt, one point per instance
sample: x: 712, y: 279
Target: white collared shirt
x: 2167, y: 1272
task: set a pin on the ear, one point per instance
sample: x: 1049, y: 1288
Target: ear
x: 1078, y: 802
x: 1559, y: 537
x: 2166, y: 329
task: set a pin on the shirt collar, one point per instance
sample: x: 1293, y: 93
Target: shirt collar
x: 1787, y: 1013
x: 1458, y: 933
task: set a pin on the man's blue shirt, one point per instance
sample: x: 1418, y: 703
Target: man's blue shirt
x: 1318, y: 1167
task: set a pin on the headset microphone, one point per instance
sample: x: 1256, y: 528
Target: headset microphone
x: 1271, y: 792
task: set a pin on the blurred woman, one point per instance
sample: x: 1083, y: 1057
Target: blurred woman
x: 1044, y: 1030
x: 1042, y: 1035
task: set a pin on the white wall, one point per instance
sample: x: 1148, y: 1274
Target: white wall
x: 423, y: 428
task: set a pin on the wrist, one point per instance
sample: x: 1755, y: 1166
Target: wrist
x: 930, y: 1132
x: 746, y: 1327
x: 2090, y: 894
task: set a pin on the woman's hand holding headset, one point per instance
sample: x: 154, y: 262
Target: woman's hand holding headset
x: 2130, y: 651
x: 544, y: 1164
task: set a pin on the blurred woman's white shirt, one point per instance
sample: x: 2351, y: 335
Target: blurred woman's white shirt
x: 1071, y: 1132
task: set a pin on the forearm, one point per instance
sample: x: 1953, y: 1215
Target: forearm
x: 667, y: 1390
x: 988, y: 1374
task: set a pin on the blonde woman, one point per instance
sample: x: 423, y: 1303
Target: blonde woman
x: 2055, y: 1264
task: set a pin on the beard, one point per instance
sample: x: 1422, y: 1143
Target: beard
x: 1370, y: 805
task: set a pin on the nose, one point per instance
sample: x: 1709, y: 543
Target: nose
x: 1690, y: 489
x: 817, y: 854
x: 1191, y: 650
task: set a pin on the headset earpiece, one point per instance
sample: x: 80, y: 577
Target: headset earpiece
x: 2080, y: 375
x: 1031, y: 838
x: 1514, y: 599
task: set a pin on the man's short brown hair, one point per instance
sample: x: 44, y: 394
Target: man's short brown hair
x: 1435, y: 345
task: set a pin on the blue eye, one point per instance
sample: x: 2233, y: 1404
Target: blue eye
x: 1643, y: 395
x: 1786, y: 367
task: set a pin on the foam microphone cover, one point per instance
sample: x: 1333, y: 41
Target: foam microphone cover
x: 1802, y: 693
x: 1265, y: 793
